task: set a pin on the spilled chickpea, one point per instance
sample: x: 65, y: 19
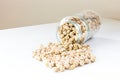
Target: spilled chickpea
x: 71, y: 51
x: 55, y: 56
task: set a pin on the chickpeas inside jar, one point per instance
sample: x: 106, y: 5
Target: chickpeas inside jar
x: 68, y: 33
x: 78, y: 28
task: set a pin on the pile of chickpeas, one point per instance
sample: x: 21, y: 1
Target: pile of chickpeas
x: 55, y: 56
x: 71, y: 51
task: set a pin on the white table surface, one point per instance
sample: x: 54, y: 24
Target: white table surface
x: 16, y: 46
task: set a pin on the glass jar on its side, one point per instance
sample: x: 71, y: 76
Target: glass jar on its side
x: 78, y: 28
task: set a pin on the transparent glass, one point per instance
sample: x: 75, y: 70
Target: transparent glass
x: 87, y: 23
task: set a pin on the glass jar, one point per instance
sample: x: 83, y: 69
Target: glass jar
x: 78, y: 28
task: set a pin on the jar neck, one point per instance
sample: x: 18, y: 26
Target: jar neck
x: 87, y: 27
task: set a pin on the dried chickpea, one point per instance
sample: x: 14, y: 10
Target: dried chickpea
x: 56, y: 56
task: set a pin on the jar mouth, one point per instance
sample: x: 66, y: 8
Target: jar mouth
x: 77, y: 26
